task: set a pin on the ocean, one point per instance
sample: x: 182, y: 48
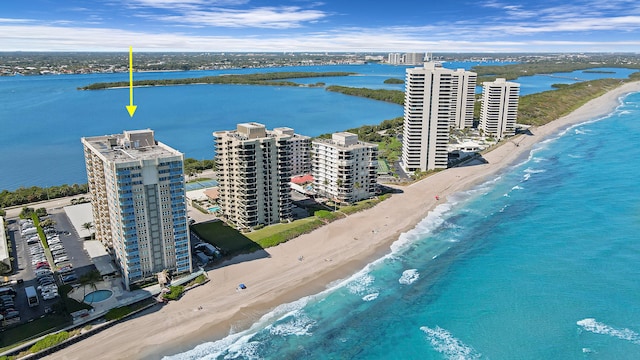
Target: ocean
x: 43, y: 117
x: 539, y: 262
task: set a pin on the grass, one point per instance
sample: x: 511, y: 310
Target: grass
x: 14, y: 336
x: 279, y: 233
x: 234, y: 242
x: 219, y: 234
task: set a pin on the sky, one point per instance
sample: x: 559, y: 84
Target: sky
x: 328, y: 26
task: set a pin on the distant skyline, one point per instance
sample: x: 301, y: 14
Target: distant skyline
x: 327, y: 26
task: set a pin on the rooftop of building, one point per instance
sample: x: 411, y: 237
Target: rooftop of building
x: 345, y: 140
x: 130, y: 146
x: 254, y: 130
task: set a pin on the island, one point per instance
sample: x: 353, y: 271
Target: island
x: 273, y: 79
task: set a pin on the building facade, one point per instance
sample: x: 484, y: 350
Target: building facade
x: 343, y: 168
x: 436, y: 99
x: 254, y: 171
x: 394, y: 58
x: 414, y: 58
x: 138, y: 201
x: 300, y: 151
x: 499, y: 110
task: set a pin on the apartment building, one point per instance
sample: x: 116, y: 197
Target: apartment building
x: 300, y: 150
x: 436, y: 99
x: 343, y: 168
x: 254, y: 172
x: 137, y: 191
x: 413, y: 58
x: 499, y: 110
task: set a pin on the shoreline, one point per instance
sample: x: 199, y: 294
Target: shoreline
x: 331, y: 253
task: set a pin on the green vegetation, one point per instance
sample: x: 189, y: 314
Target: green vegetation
x: 513, y: 71
x: 14, y: 336
x: 541, y: 108
x: 193, y: 166
x: 200, y: 279
x: 363, y: 205
x: 276, y: 234
x: 228, y: 239
x: 175, y: 292
x: 327, y: 216
x: 117, y: 313
x: 49, y: 341
x: 246, y: 79
x: 31, y: 194
x: 394, y: 81
x: 392, y: 96
x: 234, y: 242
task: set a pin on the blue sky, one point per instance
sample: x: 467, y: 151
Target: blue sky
x: 331, y: 25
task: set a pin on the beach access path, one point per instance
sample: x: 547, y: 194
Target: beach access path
x: 332, y: 252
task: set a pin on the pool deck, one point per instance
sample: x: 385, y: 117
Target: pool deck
x: 120, y: 297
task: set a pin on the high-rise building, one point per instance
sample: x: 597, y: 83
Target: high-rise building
x: 394, y: 58
x: 254, y: 174
x: 414, y: 58
x: 343, y: 168
x: 139, y: 206
x: 300, y: 151
x: 436, y: 99
x: 499, y: 109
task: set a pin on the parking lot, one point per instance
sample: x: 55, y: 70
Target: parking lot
x: 62, y: 261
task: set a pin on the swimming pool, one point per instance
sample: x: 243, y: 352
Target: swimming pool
x: 97, y: 296
x: 213, y: 209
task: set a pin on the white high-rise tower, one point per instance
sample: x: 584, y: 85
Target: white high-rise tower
x: 435, y: 100
x: 499, y: 108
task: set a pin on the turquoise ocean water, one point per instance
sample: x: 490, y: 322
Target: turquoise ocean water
x: 540, y: 262
x: 43, y: 117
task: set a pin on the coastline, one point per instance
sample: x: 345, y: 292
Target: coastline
x: 331, y: 253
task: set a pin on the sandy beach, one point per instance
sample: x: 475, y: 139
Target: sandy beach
x: 330, y: 253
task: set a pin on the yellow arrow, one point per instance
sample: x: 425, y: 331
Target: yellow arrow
x: 131, y: 108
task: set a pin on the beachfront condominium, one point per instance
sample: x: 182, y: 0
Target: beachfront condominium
x: 436, y: 99
x: 343, y: 168
x: 413, y: 58
x: 254, y: 172
x: 394, y: 58
x: 499, y: 109
x: 300, y: 147
x: 139, y: 206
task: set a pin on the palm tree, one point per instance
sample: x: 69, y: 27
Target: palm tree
x: 90, y: 279
x: 88, y: 226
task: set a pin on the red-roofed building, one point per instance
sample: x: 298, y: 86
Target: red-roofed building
x: 302, y: 179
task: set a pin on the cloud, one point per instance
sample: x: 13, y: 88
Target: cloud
x: 58, y: 38
x: 264, y: 17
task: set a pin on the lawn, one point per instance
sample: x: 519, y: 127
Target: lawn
x: 21, y: 333
x: 233, y: 241
x: 225, y: 237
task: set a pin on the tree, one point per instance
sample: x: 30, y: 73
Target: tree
x: 88, y: 226
x: 90, y: 279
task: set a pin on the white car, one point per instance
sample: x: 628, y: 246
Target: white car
x: 61, y: 259
x: 50, y: 296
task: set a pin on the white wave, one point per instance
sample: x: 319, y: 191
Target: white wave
x: 434, y: 219
x: 581, y: 131
x: 595, y: 327
x: 361, y: 284
x: 300, y: 325
x: 503, y: 208
x: 517, y: 188
x: 409, y: 276
x: 526, y: 177
x: 534, y: 171
x: 444, y: 343
x: 575, y: 156
x: 370, y: 297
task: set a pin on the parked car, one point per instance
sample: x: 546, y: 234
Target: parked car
x: 69, y: 278
x: 60, y: 259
